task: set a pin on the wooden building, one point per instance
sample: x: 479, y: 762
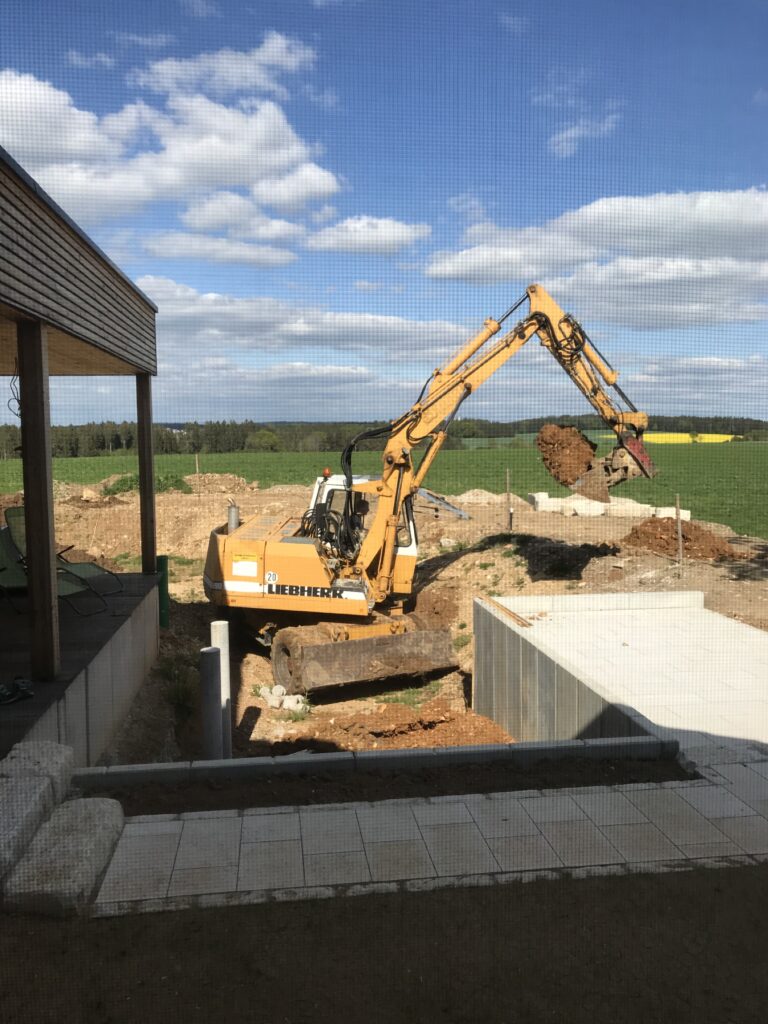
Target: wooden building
x: 65, y: 310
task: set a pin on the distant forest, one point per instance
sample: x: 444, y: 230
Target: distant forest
x: 90, y: 439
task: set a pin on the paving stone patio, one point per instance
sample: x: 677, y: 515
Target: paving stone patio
x: 204, y: 858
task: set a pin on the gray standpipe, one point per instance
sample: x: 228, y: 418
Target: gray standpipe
x: 210, y: 687
x: 220, y: 639
x: 233, y: 517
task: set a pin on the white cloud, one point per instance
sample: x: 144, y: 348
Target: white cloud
x: 183, y: 245
x: 199, y: 8
x: 468, y: 205
x: 653, y: 261
x: 326, y: 99
x: 189, y: 317
x: 367, y: 286
x: 514, y: 23
x: 39, y: 123
x: 152, y: 41
x: 106, y: 167
x: 240, y: 217
x: 567, y: 141
x: 228, y: 72
x: 761, y: 97
x: 293, y: 190
x: 367, y: 234
x: 324, y: 214
x: 95, y: 60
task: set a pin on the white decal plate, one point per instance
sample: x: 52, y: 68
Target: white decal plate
x: 245, y: 568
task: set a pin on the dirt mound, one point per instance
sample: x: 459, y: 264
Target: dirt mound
x: 660, y: 536
x: 224, y: 483
x: 478, y: 497
x: 565, y: 451
x: 100, y: 501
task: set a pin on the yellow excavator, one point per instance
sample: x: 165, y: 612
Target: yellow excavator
x: 328, y: 592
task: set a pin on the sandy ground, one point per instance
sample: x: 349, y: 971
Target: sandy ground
x: 460, y: 559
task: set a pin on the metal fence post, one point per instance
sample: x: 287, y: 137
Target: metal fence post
x: 210, y: 686
x: 220, y: 639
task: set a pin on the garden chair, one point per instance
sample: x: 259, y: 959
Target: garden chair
x: 69, y: 588
x: 100, y: 580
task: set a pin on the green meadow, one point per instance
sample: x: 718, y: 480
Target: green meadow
x: 723, y: 483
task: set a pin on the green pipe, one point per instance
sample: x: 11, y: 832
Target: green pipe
x: 165, y: 604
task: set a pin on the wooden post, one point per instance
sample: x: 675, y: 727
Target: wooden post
x: 146, y: 473
x: 32, y: 345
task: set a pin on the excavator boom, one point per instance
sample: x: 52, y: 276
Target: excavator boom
x: 327, y: 591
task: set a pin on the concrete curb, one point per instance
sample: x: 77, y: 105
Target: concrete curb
x: 645, y: 748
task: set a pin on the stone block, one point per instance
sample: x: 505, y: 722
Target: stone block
x: 670, y: 512
x: 65, y: 861
x: 41, y: 758
x: 25, y: 802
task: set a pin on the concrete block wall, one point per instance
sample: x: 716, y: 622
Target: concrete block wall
x: 530, y: 692
x: 97, y: 700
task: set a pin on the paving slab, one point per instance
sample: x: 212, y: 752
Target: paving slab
x: 501, y: 818
x: 458, y: 849
x: 213, y: 842
x: 336, y: 868
x: 330, y: 831
x: 404, y: 859
x: 640, y: 842
x: 522, y: 853
x: 270, y: 865
x: 579, y: 842
x: 141, y: 867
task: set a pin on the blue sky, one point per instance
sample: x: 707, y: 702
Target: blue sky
x: 325, y: 197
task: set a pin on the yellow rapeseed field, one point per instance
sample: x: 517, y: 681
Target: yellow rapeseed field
x: 662, y: 437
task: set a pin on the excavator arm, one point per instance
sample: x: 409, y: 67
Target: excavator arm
x: 429, y: 418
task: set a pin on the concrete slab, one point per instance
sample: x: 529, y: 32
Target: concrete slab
x: 65, y: 861
x: 667, y: 665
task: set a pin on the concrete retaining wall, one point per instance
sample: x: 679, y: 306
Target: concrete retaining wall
x: 532, y: 691
x: 98, y: 698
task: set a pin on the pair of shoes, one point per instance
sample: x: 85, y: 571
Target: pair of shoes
x: 19, y: 689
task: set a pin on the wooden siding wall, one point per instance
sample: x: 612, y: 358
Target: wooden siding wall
x: 48, y: 271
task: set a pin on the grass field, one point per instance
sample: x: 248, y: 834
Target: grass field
x: 720, y: 483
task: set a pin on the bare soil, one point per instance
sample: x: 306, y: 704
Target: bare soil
x: 284, y: 790
x: 687, y: 947
x: 461, y: 560
x: 565, y: 451
x: 660, y: 535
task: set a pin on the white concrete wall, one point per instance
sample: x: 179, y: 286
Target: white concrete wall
x: 97, y: 700
x: 533, y: 693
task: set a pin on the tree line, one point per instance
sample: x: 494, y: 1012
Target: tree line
x: 88, y: 439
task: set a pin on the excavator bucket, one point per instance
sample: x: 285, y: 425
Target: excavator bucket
x: 569, y: 457
x: 593, y: 484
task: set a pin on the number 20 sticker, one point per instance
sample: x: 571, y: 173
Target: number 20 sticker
x: 271, y: 577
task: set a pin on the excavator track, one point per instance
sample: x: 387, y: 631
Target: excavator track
x: 307, y: 658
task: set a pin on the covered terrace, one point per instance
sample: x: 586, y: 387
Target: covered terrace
x: 67, y: 310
